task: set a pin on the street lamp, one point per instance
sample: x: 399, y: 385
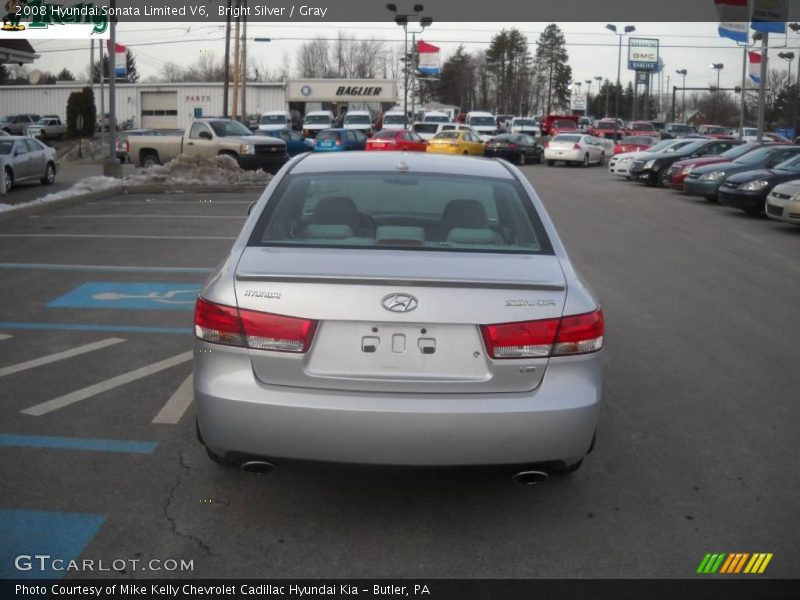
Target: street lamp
x: 788, y: 57
x: 718, y: 68
x: 628, y: 29
x: 599, y: 81
x: 683, y: 72
x: 402, y: 20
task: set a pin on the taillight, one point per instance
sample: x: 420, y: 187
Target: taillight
x: 576, y: 147
x: 576, y: 334
x: 338, y: 141
x: 220, y: 324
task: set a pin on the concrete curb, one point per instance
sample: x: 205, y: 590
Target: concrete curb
x: 32, y: 208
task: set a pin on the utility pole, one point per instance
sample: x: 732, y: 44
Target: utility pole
x: 762, y: 90
x: 102, y: 88
x: 227, y: 69
x: 236, y: 66
x: 244, y: 64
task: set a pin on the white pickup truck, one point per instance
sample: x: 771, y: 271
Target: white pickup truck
x: 210, y: 137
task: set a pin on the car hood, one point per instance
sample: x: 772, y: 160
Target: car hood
x: 728, y: 167
x: 790, y: 188
x: 666, y: 156
x: 633, y: 155
x: 256, y: 139
x: 754, y: 174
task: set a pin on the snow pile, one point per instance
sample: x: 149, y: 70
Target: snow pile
x: 90, y: 184
x: 198, y: 170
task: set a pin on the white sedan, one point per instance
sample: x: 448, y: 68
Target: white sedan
x: 575, y: 148
x: 620, y: 164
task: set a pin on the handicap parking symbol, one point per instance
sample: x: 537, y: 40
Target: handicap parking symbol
x: 123, y: 295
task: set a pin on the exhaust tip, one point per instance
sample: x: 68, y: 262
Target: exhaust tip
x: 259, y: 467
x: 529, y: 477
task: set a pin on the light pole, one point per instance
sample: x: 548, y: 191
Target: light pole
x: 402, y: 20
x: 796, y: 28
x: 788, y: 57
x: 599, y: 81
x: 683, y: 72
x: 588, y: 83
x: 718, y: 68
x: 628, y: 29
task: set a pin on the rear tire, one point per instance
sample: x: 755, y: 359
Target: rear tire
x: 664, y: 178
x: 521, y: 159
x: 585, y: 162
x: 150, y: 160
x: 551, y: 163
x: 602, y: 159
x: 9, y: 180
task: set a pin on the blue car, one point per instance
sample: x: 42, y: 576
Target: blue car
x: 295, y: 143
x: 339, y: 140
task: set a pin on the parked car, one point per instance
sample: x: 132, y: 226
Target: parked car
x: 484, y: 123
x: 103, y: 123
x: 613, y: 129
x: 574, y: 148
x: 525, y: 125
x: 316, y: 121
x: 339, y: 140
x: 394, y: 120
x: 436, y: 117
x: 503, y: 123
x: 360, y: 120
x: 748, y: 191
x: 428, y: 131
x: 642, y: 128
x: 25, y: 159
x: 715, y: 131
x: 635, y: 143
x: 47, y: 128
x: 4, y: 133
x: 552, y: 125
x: 783, y: 203
x: 275, y: 120
x: 121, y: 147
x: 405, y: 141
x: 676, y: 130
x: 654, y: 169
x: 620, y: 164
x: 678, y: 172
x: 18, y: 124
x: 419, y: 351
x: 211, y: 137
x: 461, y: 118
x: 515, y: 147
x: 705, y: 181
x: 295, y: 143
x: 456, y: 142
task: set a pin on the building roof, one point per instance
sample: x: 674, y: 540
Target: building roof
x: 16, y: 51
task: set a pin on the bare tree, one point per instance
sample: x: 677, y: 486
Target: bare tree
x: 172, y: 72
x: 313, y: 61
x: 205, y: 68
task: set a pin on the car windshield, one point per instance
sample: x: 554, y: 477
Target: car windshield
x: 564, y: 124
x: 680, y: 128
x: 446, y: 135
x: 438, y: 212
x: 229, y: 128
x: 714, y: 130
x: 692, y: 146
x: 523, y: 122
x: 328, y: 134
x: 567, y: 138
x: 385, y: 135
x: 318, y: 120
x: 755, y: 157
x: 605, y: 125
x: 6, y: 146
x: 273, y: 120
x: 394, y: 120
x: 791, y: 164
x: 636, y: 139
x: 436, y: 119
x: 357, y: 120
x: 738, y: 151
x: 642, y: 127
x: 482, y: 122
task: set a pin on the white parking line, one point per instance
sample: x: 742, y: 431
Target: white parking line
x: 4, y: 336
x: 104, y: 386
x: 116, y: 236
x: 51, y: 358
x: 176, y: 406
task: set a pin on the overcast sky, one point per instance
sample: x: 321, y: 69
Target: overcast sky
x: 592, y: 49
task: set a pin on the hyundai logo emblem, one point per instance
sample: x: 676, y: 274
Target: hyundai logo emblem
x: 400, y: 302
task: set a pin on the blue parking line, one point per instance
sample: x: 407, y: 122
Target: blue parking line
x: 102, y: 268
x: 66, y: 443
x: 59, y: 536
x: 93, y: 327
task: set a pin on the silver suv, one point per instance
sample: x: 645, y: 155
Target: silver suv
x: 18, y: 124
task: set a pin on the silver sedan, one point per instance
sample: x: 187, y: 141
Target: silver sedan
x: 26, y: 159
x: 411, y: 310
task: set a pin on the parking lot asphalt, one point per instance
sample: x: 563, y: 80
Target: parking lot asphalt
x: 697, y: 447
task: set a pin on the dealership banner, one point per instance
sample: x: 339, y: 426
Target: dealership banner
x: 770, y: 15
x: 120, y: 59
x: 429, y: 65
x: 642, y: 54
x: 755, y: 66
x: 734, y: 19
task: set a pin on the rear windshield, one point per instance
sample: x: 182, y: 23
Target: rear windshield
x: 318, y: 120
x: 605, y: 125
x: 394, y: 120
x: 273, y: 120
x: 385, y: 135
x: 740, y: 150
x: 564, y: 124
x: 567, y: 138
x: 431, y: 212
x: 637, y: 139
x: 523, y: 122
x: 426, y: 127
x: 328, y: 134
x: 482, y: 122
x: 447, y: 135
x: 357, y: 120
x: 436, y: 119
x: 642, y: 127
x: 680, y: 128
x: 755, y: 157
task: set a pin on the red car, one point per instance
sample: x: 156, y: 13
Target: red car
x: 682, y: 168
x: 552, y: 125
x: 399, y: 140
x: 715, y: 131
x: 605, y: 128
x: 635, y: 143
x: 642, y: 128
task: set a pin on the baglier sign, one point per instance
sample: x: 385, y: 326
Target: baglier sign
x: 341, y: 90
x: 358, y: 91
x: 643, y: 54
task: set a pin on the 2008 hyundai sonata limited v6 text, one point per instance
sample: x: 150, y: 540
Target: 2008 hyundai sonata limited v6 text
x: 398, y: 309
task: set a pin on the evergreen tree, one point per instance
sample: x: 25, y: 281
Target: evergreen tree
x: 457, y: 81
x: 65, y: 75
x: 551, y: 71
x: 508, y: 63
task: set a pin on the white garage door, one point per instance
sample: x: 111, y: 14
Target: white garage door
x: 160, y: 110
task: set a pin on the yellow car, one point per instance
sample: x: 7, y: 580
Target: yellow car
x: 456, y: 142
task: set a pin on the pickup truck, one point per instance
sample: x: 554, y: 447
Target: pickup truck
x: 210, y: 137
x: 551, y: 125
x: 47, y: 127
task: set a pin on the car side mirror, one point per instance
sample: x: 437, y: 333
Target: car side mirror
x: 204, y: 135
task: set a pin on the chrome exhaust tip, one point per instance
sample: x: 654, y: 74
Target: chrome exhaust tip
x: 529, y: 477
x: 259, y: 467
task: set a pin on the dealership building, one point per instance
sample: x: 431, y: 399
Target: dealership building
x: 174, y: 105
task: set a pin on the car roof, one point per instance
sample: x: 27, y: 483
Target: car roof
x: 416, y: 162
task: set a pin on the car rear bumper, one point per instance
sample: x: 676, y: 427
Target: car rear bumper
x: 565, y: 155
x: 240, y: 416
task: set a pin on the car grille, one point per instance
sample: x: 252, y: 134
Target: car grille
x: 637, y: 164
x: 263, y: 150
x: 794, y: 215
x: 776, y: 211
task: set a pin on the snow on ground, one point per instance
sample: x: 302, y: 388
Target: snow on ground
x: 184, y: 170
